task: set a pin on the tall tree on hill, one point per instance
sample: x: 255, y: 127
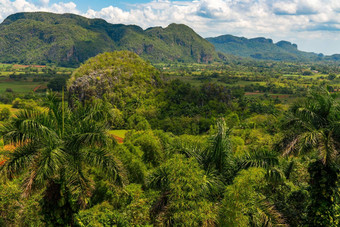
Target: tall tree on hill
x: 53, y: 148
x: 313, y: 126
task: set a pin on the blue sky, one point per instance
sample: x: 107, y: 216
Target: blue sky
x: 84, y: 5
x: 314, y: 25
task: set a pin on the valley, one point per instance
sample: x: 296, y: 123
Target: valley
x: 114, y: 125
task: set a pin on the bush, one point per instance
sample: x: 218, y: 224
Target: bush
x: 57, y: 84
x: 307, y: 73
x: 24, y: 104
x: 138, y: 122
x: 331, y: 76
x: 5, y: 113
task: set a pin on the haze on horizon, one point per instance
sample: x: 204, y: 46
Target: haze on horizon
x: 314, y: 25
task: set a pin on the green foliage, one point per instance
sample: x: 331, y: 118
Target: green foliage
x: 150, y: 145
x: 5, y: 113
x: 331, y: 76
x: 57, y: 84
x: 24, y: 104
x: 132, y: 158
x: 122, y: 78
x: 18, y: 211
x: 313, y: 126
x: 181, y: 182
x: 244, y: 205
x: 323, y: 190
x: 64, y: 168
x: 117, y: 120
x: 134, y: 210
x: 100, y: 215
x: 138, y: 122
x: 52, y: 149
x: 313, y: 123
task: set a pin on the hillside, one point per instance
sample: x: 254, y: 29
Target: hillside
x: 122, y: 77
x: 261, y: 48
x: 69, y: 40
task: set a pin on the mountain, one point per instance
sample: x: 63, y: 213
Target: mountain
x: 261, y: 48
x: 68, y: 40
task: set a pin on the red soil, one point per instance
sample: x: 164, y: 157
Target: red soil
x: 2, y: 162
x: 39, y: 87
x: 119, y: 139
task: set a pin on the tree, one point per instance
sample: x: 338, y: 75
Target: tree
x: 53, y: 147
x: 57, y: 83
x: 314, y: 126
x: 244, y: 205
x: 182, y: 201
x: 331, y: 76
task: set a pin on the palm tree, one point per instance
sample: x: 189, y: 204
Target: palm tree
x: 53, y: 149
x: 221, y: 166
x: 313, y: 126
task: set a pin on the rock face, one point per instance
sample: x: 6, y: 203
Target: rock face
x: 68, y: 40
x: 121, y: 77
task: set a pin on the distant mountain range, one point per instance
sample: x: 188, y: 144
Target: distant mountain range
x: 69, y: 39
x: 261, y: 48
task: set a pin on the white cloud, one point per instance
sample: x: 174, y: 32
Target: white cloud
x: 277, y: 19
x: 8, y: 7
x: 45, y: 2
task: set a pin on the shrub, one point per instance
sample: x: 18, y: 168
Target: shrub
x: 5, y: 113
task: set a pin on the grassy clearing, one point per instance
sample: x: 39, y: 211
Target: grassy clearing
x: 119, y: 133
x: 19, y: 86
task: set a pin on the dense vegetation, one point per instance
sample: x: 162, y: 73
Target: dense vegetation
x: 242, y: 144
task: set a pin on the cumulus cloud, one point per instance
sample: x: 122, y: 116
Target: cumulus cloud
x: 8, y: 7
x: 277, y: 19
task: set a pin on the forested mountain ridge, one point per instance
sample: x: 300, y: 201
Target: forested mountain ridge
x: 70, y: 39
x: 262, y: 48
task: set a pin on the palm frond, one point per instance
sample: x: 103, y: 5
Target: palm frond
x: 289, y: 169
x: 78, y: 185
x: 190, y: 150
x: 219, y: 149
x: 26, y: 125
x: 212, y: 183
x: 274, y: 175
x: 103, y: 160
x: 45, y: 166
x: 261, y: 158
x: 270, y: 216
x: 314, y: 124
x: 88, y: 139
x: 19, y: 160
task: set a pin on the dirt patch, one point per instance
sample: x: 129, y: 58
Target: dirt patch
x: 26, y: 66
x: 120, y: 140
x: 40, y: 87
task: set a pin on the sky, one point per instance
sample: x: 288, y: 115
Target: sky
x: 314, y: 25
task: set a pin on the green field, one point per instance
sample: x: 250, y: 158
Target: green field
x: 119, y: 133
x: 20, y: 86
